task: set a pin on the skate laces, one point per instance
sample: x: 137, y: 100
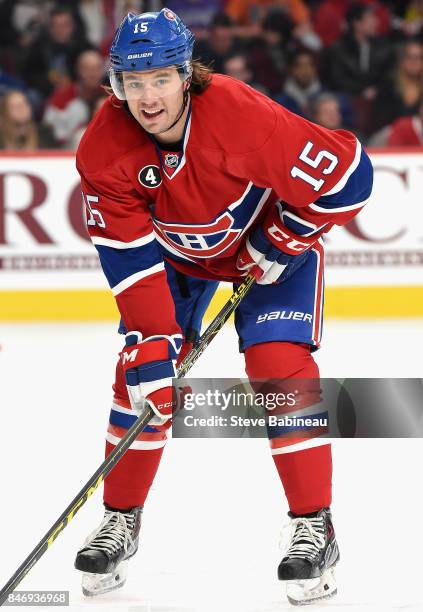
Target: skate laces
x: 114, y: 532
x: 308, y: 537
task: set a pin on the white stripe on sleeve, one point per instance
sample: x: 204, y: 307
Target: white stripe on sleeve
x: 346, y: 208
x: 118, y: 244
x: 343, y: 181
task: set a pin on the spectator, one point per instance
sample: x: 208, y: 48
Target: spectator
x: 29, y: 17
x: 359, y: 60
x: 196, y: 14
x: 267, y: 53
x: 109, y: 17
x: 219, y: 45
x: 400, y: 94
x: 78, y: 134
x: 70, y: 107
x: 18, y: 130
x: 329, y: 17
x: 49, y: 61
x: 408, y: 19
x: 93, y: 15
x: 238, y: 67
x: 407, y: 131
x: 326, y: 111
x: 302, y: 84
x: 246, y: 12
x: 8, y: 35
x: 9, y: 81
x: 249, y: 13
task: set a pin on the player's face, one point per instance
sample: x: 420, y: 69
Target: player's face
x: 154, y: 98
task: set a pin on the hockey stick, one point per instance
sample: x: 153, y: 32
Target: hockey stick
x: 116, y: 454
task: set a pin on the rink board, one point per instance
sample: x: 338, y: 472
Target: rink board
x: 98, y: 305
x: 50, y: 270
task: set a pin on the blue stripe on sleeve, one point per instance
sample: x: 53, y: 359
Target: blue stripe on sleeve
x: 357, y: 189
x: 119, y: 264
x: 298, y: 225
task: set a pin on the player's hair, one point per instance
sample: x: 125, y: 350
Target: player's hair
x: 200, y: 80
x: 201, y: 77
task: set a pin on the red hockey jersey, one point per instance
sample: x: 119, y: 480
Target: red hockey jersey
x: 241, y: 153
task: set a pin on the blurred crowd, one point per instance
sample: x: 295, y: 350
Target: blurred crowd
x: 339, y: 63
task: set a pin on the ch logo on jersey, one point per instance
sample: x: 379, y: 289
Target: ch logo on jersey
x: 199, y: 241
x: 149, y: 176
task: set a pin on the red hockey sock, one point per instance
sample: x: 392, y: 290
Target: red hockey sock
x: 306, y: 474
x: 129, y: 482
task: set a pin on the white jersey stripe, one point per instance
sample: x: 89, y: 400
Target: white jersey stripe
x: 343, y: 181
x: 118, y: 244
x: 258, y: 209
x: 134, y: 278
x: 346, y: 208
x: 317, y: 301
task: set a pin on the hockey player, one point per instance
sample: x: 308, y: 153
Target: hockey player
x: 191, y: 178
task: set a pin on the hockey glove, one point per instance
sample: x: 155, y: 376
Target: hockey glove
x: 149, y: 365
x: 272, y: 252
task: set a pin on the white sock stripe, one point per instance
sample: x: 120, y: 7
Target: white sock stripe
x: 134, y: 278
x: 137, y: 444
x: 300, y: 446
x: 123, y: 410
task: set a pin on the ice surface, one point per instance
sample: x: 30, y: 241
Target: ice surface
x: 211, y: 527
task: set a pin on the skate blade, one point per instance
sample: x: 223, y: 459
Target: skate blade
x: 304, y: 592
x: 98, y: 584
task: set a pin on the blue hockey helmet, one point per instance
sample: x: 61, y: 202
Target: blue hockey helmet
x: 147, y: 42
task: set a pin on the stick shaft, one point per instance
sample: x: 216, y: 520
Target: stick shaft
x: 112, y: 459
x: 216, y: 325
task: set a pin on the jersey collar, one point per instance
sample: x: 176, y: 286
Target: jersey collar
x: 182, y: 159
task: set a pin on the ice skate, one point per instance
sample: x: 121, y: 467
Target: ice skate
x: 308, y: 564
x: 106, y: 551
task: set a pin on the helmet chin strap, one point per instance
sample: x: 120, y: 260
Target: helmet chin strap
x: 183, y: 107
